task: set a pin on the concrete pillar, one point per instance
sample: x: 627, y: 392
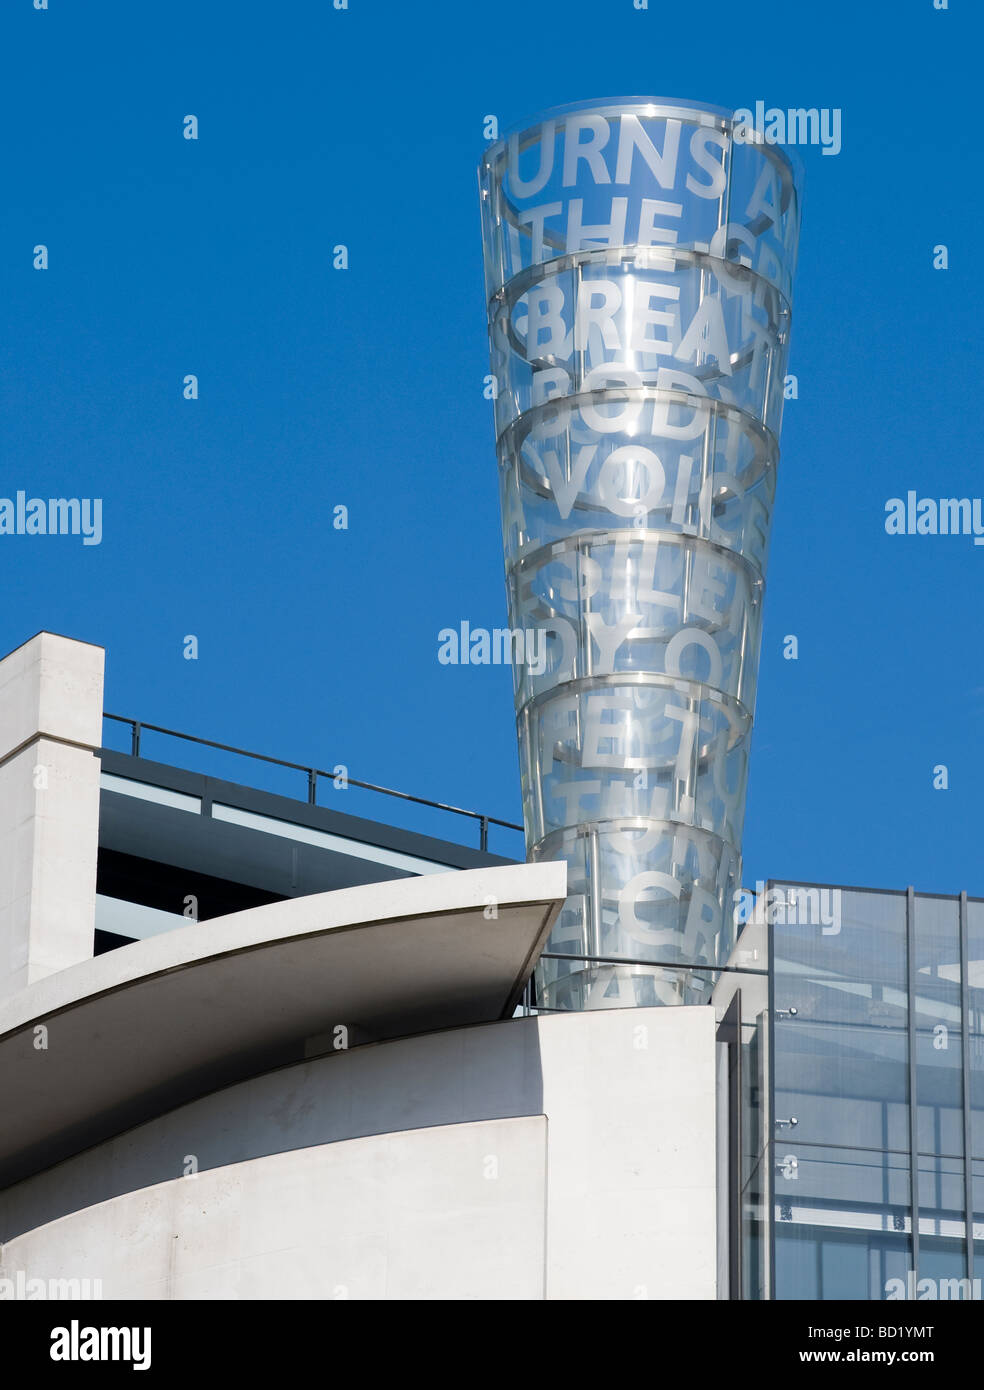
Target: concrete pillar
x: 51, y: 703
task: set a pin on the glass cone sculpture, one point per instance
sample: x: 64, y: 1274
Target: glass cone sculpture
x: 639, y: 258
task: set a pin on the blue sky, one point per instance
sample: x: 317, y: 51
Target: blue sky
x: 364, y: 387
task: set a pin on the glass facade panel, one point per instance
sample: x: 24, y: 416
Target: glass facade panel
x: 843, y: 1083
x: 975, y: 1022
x: 939, y: 1083
x: 942, y: 1230
x: 977, y: 1181
x: 842, y: 1221
x: 755, y: 1225
x: 943, y: 1271
x: 841, y: 1001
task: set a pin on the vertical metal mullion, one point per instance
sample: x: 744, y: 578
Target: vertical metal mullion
x: 729, y: 1033
x: 770, y: 1129
x: 737, y: 1151
x: 965, y: 1062
x: 910, y: 935
x: 594, y: 862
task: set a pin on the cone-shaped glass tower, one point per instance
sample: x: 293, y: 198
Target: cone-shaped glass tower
x: 639, y: 258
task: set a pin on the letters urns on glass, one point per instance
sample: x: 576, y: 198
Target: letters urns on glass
x: 639, y: 258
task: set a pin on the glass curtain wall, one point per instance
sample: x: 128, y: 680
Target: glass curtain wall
x: 878, y: 1125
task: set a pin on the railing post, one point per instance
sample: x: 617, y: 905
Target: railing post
x: 484, y: 844
x: 135, y: 739
x: 312, y: 787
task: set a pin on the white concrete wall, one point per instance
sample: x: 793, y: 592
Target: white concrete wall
x: 632, y: 1194
x: 388, y: 1217
x: 50, y: 726
x: 566, y: 1157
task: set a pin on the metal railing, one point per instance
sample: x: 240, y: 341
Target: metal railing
x: 138, y: 727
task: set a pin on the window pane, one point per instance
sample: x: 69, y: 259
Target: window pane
x: 939, y: 1081
x: 841, y: 1059
x: 975, y: 1022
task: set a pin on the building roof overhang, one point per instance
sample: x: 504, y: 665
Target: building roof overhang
x: 95, y: 1049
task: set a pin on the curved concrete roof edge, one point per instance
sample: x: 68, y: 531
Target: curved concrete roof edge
x: 460, y: 890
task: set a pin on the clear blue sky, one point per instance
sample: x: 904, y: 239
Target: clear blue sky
x: 364, y: 387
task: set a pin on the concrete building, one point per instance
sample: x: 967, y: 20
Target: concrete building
x: 254, y: 1048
